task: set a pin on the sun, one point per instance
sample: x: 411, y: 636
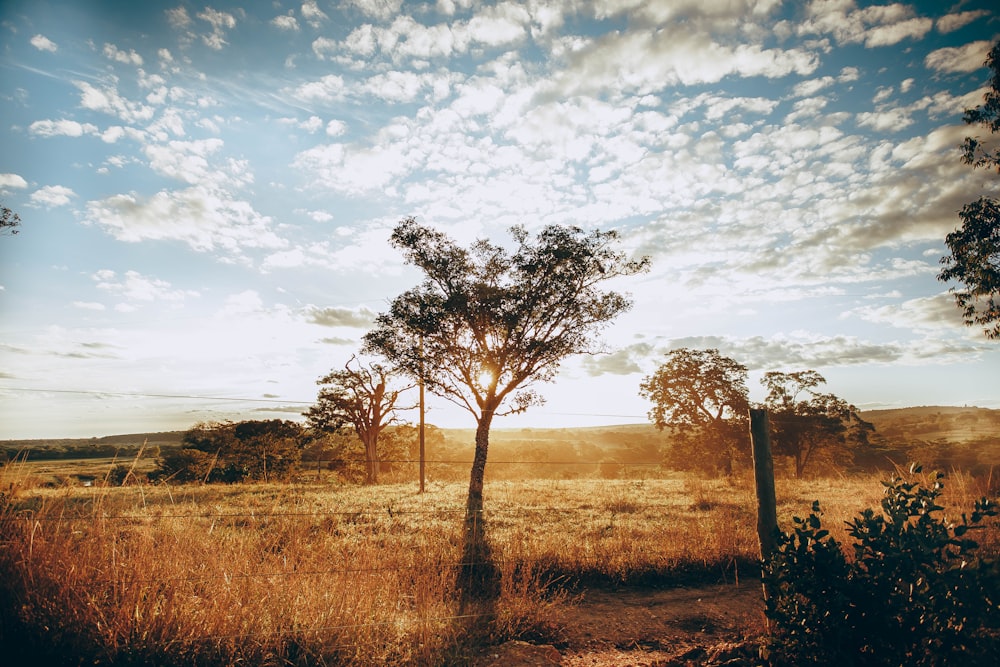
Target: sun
x: 485, y: 378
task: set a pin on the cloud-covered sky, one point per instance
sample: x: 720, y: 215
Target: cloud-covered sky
x: 207, y: 191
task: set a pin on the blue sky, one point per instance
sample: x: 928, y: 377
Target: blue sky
x: 207, y: 191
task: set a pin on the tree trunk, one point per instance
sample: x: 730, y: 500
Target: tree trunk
x: 479, y: 577
x: 371, y: 459
x: 474, y: 505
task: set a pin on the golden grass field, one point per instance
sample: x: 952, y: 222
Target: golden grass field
x: 329, y: 574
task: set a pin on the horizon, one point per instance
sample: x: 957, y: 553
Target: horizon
x: 207, y: 192
x: 495, y: 429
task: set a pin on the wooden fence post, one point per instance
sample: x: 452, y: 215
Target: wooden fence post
x: 763, y: 468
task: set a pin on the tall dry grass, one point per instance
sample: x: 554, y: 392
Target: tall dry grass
x: 300, y: 574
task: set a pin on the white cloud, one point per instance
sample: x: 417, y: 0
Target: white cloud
x: 336, y: 128
x: 311, y: 124
x: 878, y: 25
x: 327, y: 89
x: 107, y: 100
x: 313, y: 15
x: 178, y: 17
x: 379, y: 9
x: 133, y: 286
x: 220, y: 22
x: 112, y: 52
x: 12, y: 181
x: 952, y: 22
x: 967, y: 58
x: 204, y: 219
x: 52, y: 196
x: 43, y: 43
x: 61, y: 128
x: 285, y: 22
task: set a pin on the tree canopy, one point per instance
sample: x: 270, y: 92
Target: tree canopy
x: 359, y: 396
x: 975, y: 247
x: 9, y: 221
x: 805, y: 422
x: 487, y: 321
x: 703, y: 397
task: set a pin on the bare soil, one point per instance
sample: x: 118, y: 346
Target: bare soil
x: 669, y: 627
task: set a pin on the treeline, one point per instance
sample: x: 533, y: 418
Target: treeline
x: 121, y: 446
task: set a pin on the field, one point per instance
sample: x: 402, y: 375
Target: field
x: 320, y: 573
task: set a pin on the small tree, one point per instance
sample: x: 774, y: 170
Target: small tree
x: 702, y: 397
x: 975, y: 247
x: 487, y: 322
x: 801, y: 427
x: 358, y: 396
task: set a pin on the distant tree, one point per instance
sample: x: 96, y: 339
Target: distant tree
x: 9, y: 221
x: 267, y: 450
x: 975, y: 247
x: 487, y: 322
x: 805, y: 422
x: 358, y: 396
x: 702, y: 397
x: 234, y: 452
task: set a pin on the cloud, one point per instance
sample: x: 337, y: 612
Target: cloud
x: 107, y: 100
x: 379, y: 9
x: 12, y: 181
x: 285, y: 23
x: 875, y: 26
x: 360, y: 318
x: 937, y: 312
x: 52, y: 196
x: 620, y: 362
x: 646, y: 61
x: 313, y: 15
x: 133, y: 286
x: 112, y: 52
x: 205, y: 219
x: 967, y: 58
x: 220, y: 22
x: 952, y: 22
x: 63, y: 128
x: 43, y: 43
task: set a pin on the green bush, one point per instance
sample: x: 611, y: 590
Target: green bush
x: 915, y: 593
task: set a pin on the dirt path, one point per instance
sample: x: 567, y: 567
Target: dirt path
x: 648, y: 628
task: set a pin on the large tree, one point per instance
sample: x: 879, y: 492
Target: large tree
x: 702, y: 397
x: 975, y: 247
x: 806, y: 422
x: 359, y: 396
x: 488, y: 321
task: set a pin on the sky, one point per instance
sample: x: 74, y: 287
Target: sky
x: 207, y: 191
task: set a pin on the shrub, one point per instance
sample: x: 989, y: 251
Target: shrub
x: 916, y: 592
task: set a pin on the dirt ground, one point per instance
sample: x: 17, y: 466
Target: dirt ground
x: 672, y: 627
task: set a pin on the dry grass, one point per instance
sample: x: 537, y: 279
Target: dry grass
x: 313, y: 574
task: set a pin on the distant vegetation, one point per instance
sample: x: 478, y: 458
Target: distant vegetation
x: 965, y: 438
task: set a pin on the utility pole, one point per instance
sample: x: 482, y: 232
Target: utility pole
x: 763, y: 467
x: 421, y: 429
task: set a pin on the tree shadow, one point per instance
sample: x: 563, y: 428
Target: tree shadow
x: 479, y: 577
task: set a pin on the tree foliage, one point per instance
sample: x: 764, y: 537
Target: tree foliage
x: 975, y: 247
x: 9, y: 221
x: 486, y: 323
x: 358, y: 396
x: 805, y: 421
x: 235, y: 452
x: 916, y: 591
x: 986, y: 115
x: 975, y: 262
x: 702, y: 397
